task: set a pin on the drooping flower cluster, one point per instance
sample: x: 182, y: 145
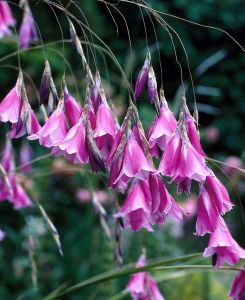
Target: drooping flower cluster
x: 142, y: 285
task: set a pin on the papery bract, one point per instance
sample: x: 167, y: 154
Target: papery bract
x: 237, y: 291
x: 6, y: 19
x: 223, y: 248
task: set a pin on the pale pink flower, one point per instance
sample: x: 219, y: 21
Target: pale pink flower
x: 10, y: 107
x: 162, y: 127
x: 6, y: 19
x: 223, y: 248
x: 20, y: 199
x: 136, y: 209
x: 237, y: 291
x: 28, y: 31
x: 142, y: 286
x: 73, y: 109
x: 84, y: 195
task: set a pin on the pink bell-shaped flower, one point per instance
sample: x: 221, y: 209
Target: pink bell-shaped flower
x: 162, y: 127
x: 6, y: 19
x: 54, y: 130
x: 72, y: 108
x: 223, y: 248
x: 10, y: 107
x: 208, y: 217
x: 181, y: 161
x: 237, y: 291
x: 218, y: 194
x: 75, y: 143
x: 136, y: 209
x: 142, y: 286
x: 163, y: 204
x: 132, y: 167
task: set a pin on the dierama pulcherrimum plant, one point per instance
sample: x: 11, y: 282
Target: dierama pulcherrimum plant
x: 91, y: 134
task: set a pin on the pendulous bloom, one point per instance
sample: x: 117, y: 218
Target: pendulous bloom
x: 54, y: 130
x: 136, y: 208
x: 6, y: 19
x: 28, y: 30
x: 182, y: 162
x: 162, y: 127
x: 142, y: 77
x: 10, y: 107
x: 74, y: 143
x: 142, y: 286
x: 237, y: 291
x: 73, y: 109
x: 223, y: 248
x: 124, y: 165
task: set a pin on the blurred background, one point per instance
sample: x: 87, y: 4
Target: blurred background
x: 28, y: 252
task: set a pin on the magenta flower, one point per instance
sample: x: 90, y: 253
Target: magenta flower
x: 193, y: 133
x: 237, y: 291
x: 163, y: 204
x: 142, y: 77
x: 27, y: 123
x: 223, y: 248
x: 74, y: 143
x: 182, y: 162
x: 96, y: 92
x: 136, y: 209
x: 152, y: 86
x: 231, y: 164
x: 7, y: 160
x: 142, y: 286
x: 105, y: 130
x: 125, y: 165
x: 6, y: 19
x: 25, y: 157
x: 20, y: 199
x: 72, y: 108
x: 54, y: 130
x: 218, y: 193
x: 208, y: 217
x: 28, y: 31
x: 162, y: 127
x: 10, y: 107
